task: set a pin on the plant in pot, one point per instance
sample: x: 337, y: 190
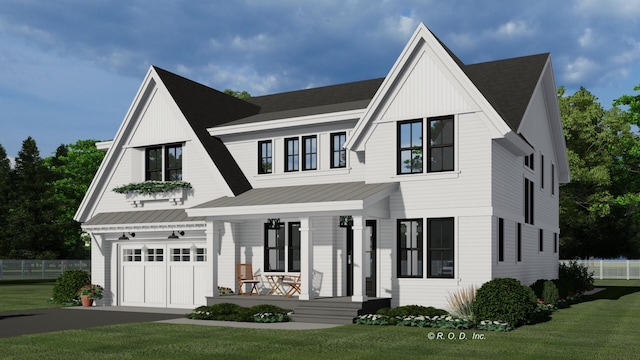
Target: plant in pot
x: 90, y: 292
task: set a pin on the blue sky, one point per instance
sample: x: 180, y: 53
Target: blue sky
x: 69, y: 69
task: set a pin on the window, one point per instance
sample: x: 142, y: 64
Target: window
x: 440, y: 147
x: 540, y: 240
x: 294, y: 246
x: 410, y: 147
x: 132, y: 255
x: 153, y: 164
x: 156, y: 255
x: 182, y: 255
x: 555, y: 243
x: 500, y: 239
x: 541, y: 171
x: 338, y: 152
x: 159, y: 168
x: 528, y: 161
x: 265, y: 157
x: 309, y: 153
x: 440, y: 248
x: 553, y: 179
x: 292, y: 154
x: 528, y: 201
x: 274, y: 248
x: 519, y: 242
x: 410, y: 248
x: 174, y: 163
x: 200, y: 254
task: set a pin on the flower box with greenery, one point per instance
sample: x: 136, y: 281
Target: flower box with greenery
x: 90, y: 292
x: 138, y: 193
x: 222, y: 291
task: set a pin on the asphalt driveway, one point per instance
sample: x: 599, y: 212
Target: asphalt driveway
x: 17, y: 323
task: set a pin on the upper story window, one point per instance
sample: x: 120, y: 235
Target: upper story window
x: 309, y: 152
x: 528, y: 201
x: 553, y: 179
x: 528, y: 161
x: 541, y: 171
x: 292, y: 154
x: 440, y: 147
x: 163, y: 163
x: 410, y: 147
x: 265, y: 157
x: 338, y: 152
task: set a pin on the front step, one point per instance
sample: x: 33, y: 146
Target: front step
x: 327, y: 312
x: 319, y: 319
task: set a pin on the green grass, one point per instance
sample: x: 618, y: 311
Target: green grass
x: 26, y: 294
x: 605, y: 327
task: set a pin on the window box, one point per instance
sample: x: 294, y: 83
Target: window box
x: 137, y: 193
x: 175, y: 197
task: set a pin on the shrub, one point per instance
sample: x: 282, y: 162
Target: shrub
x: 233, y: 312
x: 577, y: 277
x: 563, y: 288
x: 65, y: 290
x: 461, y: 300
x: 504, y: 300
x: 550, y: 293
x: 266, y: 308
x: 415, y: 310
x: 538, y: 287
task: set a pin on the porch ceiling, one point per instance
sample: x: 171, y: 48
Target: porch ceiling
x: 320, y: 198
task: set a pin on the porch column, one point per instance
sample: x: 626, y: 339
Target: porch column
x: 306, y: 259
x: 212, y: 232
x: 358, y: 258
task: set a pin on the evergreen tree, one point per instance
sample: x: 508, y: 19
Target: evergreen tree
x: 5, y: 171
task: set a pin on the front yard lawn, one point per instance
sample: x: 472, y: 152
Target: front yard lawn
x: 606, y: 327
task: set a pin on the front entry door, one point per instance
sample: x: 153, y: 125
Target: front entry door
x: 370, y: 258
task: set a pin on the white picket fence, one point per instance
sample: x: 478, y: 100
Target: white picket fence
x: 39, y: 269
x: 612, y: 269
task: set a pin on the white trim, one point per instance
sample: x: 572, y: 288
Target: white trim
x: 292, y: 122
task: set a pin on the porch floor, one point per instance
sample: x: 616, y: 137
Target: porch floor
x: 325, y: 310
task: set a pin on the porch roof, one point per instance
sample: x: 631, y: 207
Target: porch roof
x: 142, y: 217
x: 319, y: 198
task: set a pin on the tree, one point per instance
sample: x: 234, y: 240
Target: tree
x: 5, y: 172
x: 31, y: 232
x: 238, y: 94
x: 73, y: 167
x: 599, y: 207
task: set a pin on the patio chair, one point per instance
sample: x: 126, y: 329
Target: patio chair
x: 244, y: 274
x: 294, y: 285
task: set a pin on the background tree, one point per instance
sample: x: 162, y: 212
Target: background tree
x: 598, y: 208
x: 72, y: 167
x: 31, y: 231
x: 5, y: 172
x: 239, y: 94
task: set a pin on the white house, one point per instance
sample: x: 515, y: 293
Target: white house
x: 438, y: 176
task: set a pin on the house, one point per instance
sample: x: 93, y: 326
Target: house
x: 436, y: 177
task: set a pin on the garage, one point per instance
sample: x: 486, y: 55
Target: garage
x: 162, y: 275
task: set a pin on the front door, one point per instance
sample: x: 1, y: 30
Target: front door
x: 370, y: 258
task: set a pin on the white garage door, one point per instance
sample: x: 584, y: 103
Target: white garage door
x: 160, y: 275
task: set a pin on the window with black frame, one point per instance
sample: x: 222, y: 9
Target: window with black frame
x: 274, y: 241
x: 441, y: 144
x: 410, y: 248
x: 309, y: 152
x: 440, y: 248
x: 265, y: 157
x: 294, y: 247
x: 338, y: 152
x: 173, y: 170
x: 292, y: 154
x: 153, y: 163
x: 410, y: 147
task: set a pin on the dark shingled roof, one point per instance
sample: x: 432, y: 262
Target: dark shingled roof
x: 204, y: 107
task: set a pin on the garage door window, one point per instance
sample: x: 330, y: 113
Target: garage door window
x: 201, y: 254
x: 156, y: 255
x: 132, y: 255
x: 181, y: 254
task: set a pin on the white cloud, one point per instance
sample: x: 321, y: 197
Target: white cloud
x: 579, y: 70
x: 629, y: 9
x: 258, y: 42
x: 513, y: 29
x: 586, y: 40
x: 12, y: 161
x: 401, y: 26
x: 241, y: 78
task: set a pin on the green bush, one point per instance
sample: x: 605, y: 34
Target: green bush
x: 266, y: 308
x: 577, y: 277
x: 233, y: 312
x: 504, y: 300
x: 550, y: 293
x: 415, y: 310
x: 65, y: 290
x: 538, y: 287
x: 562, y: 286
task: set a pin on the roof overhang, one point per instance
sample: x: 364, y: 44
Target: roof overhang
x: 310, y: 200
x: 143, y: 220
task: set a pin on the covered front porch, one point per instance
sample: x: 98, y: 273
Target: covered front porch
x: 324, y: 233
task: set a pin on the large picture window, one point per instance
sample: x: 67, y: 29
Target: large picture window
x: 440, y: 146
x: 274, y: 248
x: 440, y: 248
x: 338, y: 152
x: 292, y: 154
x: 410, y: 248
x: 309, y: 153
x: 167, y: 167
x: 265, y: 157
x: 410, y: 147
